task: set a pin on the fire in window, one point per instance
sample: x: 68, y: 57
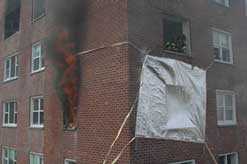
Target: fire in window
x: 176, y: 35
x: 12, y: 17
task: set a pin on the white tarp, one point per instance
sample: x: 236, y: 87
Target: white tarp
x: 172, y: 101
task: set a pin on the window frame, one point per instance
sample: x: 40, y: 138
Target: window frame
x: 227, y: 122
x: 225, y: 4
x: 36, y: 154
x: 69, y: 160
x: 229, y: 36
x: 39, y: 125
x: 9, y: 77
x: 35, y: 19
x: 226, y: 154
x: 186, y: 30
x: 40, y: 57
x: 180, y: 162
x: 15, y: 114
x: 4, y: 148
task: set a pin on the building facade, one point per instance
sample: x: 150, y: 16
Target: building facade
x: 209, y: 34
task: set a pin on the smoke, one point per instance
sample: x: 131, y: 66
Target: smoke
x: 64, y: 43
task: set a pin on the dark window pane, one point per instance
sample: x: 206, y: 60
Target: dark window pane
x: 41, y: 117
x: 217, y: 53
x: 36, y: 64
x: 221, y: 160
x: 6, y: 118
x: 12, y: 17
x: 35, y: 118
x: 35, y: 104
x: 226, y: 55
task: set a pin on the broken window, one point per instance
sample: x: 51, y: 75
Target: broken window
x: 231, y: 158
x: 11, y: 68
x: 12, y: 17
x: 38, y: 9
x: 176, y: 35
x: 222, y: 46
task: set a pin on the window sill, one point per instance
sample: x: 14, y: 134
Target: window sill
x: 223, y: 62
x: 226, y: 124
x: 9, y: 126
x: 37, y: 127
x: 188, y: 55
x: 10, y: 79
x: 221, y: 5
x: 37, y: 71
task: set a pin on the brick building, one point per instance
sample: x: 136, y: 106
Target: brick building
x: 115, y: 33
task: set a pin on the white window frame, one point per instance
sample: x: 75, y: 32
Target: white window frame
x: 229, y: 35
x: 39, y: 125
x: 226, y: 3
x: 40, y: 58
x: 7, y: 158
x: 4, y: 112
x: 41, y: 156
x: 227, y: 122
x: 66, y: 161
x: 192, y: 161
x: 9, y: 77
x: 226, y: 154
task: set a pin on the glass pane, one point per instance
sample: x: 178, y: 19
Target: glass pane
x: 35, y: 104
x: 7, y: 68
x: 6, y: 118
x: 39, y: 8
x: 11, y: 114
x: 217, y: 53
x: 226, y: 55
x: 35, y: 118
x: 228, y: 100
x: 216, y: 39
x: 221, y: 160
x: 220, y: 114
x: 36, y: 63
x: 229, y: 115
x: 41, y: 117
x: 220, y: 100
x: 41, y: 104
x: 13, y: 65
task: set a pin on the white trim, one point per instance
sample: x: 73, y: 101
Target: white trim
x: 227, y: 122
x: 235, y: 153
x: 9, y: 78
x: 11, y: 125
x: 68, y: 160
x: 192, y: 161
x: 229, y: 36
x: 41, y: 155
x: 40, y: 58
x: 31, y: 112
x: 8, y: 149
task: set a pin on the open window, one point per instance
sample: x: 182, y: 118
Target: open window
x: 176, y: 35
x: 12, y: 17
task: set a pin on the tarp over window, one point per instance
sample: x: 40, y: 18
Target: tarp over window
x: 172, y: 101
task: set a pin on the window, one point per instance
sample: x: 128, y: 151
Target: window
x: 37, y: 58
x: 226, y: 113
x: 69, y: 161
x: 245, y: 7
x: 36, y: 158
x: 37, y: 112
x: 176, y: 35
x: 231, y: 158
x: 10, y: 68
x: 223, y: 2
x: 12, y: 17
x: 9, y: 156
x: 222, y: 43
x: 9, y: 113
x: 38, y: 9
x: 184, y: 162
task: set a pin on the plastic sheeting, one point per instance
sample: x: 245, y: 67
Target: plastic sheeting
x: 172, y: 101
